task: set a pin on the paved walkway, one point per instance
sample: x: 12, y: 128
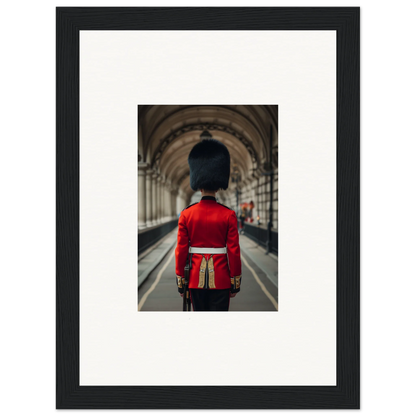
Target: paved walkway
x: 267, y: 262
x: 151, y: 258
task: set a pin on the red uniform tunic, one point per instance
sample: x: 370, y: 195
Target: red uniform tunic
x: 211, y: 225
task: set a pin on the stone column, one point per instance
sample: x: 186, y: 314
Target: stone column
x: 173, y: 202
x: 149, y: 198
x: 158, y: 200
x: 168, y: 201
x: 142, y: 195
x: 162, y: 199
x: 263, y: 201
x: 275, y: 198
x: 254, y: 199
x: 242, y: 192
x: 181, y: 200
x: 154, y: 198
x: 259, y: 199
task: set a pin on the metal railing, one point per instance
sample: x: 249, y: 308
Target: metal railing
x: 148, y: 237
x: 258, y: 233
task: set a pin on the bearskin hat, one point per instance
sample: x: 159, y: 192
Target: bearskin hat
x: 209, y: 164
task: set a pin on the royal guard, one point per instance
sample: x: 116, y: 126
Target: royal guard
x: 207, y: 233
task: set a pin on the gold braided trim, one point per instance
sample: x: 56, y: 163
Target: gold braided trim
x: 179, y: 281
x: 202, y: 273
x: 211, y: 281
x: 237, y: 281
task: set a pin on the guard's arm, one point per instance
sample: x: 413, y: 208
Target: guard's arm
x: 233, y: 251
x: 181, y: 252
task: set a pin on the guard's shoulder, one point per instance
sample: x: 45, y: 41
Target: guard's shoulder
x: 189, y: 206
x: 223, y: 205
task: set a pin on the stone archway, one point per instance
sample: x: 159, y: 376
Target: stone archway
x: 167, y: 134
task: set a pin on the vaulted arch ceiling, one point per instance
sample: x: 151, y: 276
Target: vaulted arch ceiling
x: 167, y: 134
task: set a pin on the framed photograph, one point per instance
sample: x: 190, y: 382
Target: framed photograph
x: 223, y: 199
x: 137, y: 89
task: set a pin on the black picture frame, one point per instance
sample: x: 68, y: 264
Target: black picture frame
x: 346, y: 22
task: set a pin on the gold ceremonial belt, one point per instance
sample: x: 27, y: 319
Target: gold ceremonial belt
x: 208, y: 250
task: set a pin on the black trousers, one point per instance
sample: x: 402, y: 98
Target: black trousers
x: 210, y: 299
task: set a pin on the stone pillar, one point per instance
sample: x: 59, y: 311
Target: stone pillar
x: 275, y: 198
x: 178, y: 202
x: 154, y: 198
x: 254, y: 199
x: 169, y: 199
x: 259, y: 199
x: 181, y: 200
x: 174, y: 195
x: 168, y: 202
x: 159, y: 200
x: 244, y: 193
x: 162, y: 199
x: 142, y: 195
x: 149, y: 198
x: 265, y: 200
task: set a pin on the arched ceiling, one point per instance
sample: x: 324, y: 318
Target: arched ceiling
x: 167, y: 134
